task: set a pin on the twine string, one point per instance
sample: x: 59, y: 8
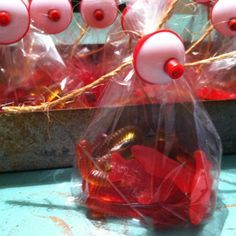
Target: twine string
x: 207, y: 32
x: 168, y: 14
x: 48, y: 105
x: 75, y: 45
x: 211, y: 59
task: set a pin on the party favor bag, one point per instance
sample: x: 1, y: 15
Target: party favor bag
x: 215, y: 81
x: 149, y: 154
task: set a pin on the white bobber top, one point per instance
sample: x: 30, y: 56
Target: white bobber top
x: 159, y: 57
x: 14, y: 21
x: 223, y: 17
x: 51, y: 16
x: 99, y: 13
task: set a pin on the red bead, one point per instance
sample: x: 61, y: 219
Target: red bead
x: 54, y: 15
x: 232, y: 24
x: 5, y: 18
x: 99, y: 15
x: 174, y: 69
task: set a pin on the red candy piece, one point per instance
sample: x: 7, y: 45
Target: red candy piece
x: 128, y: 176
x: 214, y: 94
x: 165, y: 215
x: 85, y: 74
x: 133, y: 182
x: 159, y: 165
x: 201, y: 189
x: 160, y: 191
x: 119, y: 168
x: 154, y: 162
x: 153, y: 186
x: 109, y: 209
x: 107, y: 194
x: 161, y: 215
x: 39, y: 79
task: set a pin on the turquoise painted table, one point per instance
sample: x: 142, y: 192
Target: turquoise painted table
x: 40, y: 204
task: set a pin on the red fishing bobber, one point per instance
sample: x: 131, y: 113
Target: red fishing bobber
x: 202, y: 189
x: 99, y: 14
x: 159, y: 57
x: 223, y: 17
x: 14, y: 21
x: 52, y: 17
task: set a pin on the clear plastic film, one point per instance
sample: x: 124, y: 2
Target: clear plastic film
x: 140, y: 162
x: 59, y: 54
x: 85, y: 48
x: 31, y: 70
x: 215, y: 81
x: 79, y: 57
x: 151, y: 151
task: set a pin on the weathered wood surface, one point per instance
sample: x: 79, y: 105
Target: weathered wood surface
x: 42, y: 141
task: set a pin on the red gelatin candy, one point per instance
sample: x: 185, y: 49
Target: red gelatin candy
x: 201, y: 189
x: 209, y: 93
x: 159, y: 165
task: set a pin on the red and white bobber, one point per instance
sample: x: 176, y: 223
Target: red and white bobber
x: 99, y: 13
x: 223, y: 17
x: 51, y: 16
x: 14, y: 21
x: 159, y: 57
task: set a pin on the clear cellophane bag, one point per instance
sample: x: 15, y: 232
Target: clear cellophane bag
x: 150, y: 152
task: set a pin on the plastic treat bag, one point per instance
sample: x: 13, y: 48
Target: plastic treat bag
x: 135, y: 21
x: 32, y: 67
x: 38, y: 68
x: 94, y: 22
x: 14, y: 25
x: 79, y: 59
x: 158, y: 162
x: 81, y: 70
x: 216, y: 81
